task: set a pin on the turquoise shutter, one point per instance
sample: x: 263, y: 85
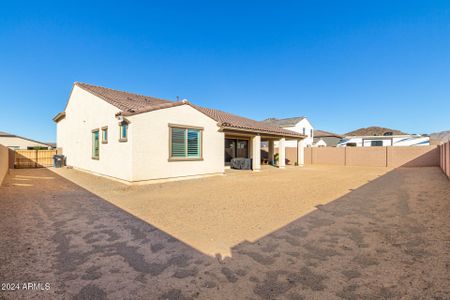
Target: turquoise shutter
x: 178, y: 146
x: 193, y: 141
x: 95, y: 144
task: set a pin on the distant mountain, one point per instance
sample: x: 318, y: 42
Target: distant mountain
x: 374, y: 130
x: 440, y: 137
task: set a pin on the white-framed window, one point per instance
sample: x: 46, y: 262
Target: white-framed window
x: 123, y: 132
x: 95, y: 144
x: 304, y: 131
x: 105, y: 135
x: 185, y: 143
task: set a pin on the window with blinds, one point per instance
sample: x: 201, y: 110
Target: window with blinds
x: 185, y: 143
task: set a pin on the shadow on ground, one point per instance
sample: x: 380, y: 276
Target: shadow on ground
x: 386, y: 239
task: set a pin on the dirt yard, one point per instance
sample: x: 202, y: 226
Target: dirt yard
x: 301, y: 233
x: 215, y: 214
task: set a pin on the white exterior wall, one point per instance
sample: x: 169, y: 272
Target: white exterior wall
x: 308, y: 141
x: 84, y: 113
x: 19, y: 143
x: 320, y: 143
x: 151, y: 144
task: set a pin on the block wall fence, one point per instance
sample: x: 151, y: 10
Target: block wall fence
x: 393, y: 157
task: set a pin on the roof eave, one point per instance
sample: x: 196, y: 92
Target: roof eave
x: 263, y: 132
x: 59, y: 117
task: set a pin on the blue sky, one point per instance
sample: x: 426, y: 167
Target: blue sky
x: 344, y: 64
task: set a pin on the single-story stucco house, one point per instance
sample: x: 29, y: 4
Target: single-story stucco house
x: 16, y: 142
x: 324, y: 138
x: 134, y: 137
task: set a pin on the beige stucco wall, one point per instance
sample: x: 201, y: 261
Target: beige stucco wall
x: 21, y: 143
x: 4, y: 162
x: 151, y: 144
x: 84, y: 113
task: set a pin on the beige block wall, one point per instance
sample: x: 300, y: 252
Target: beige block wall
x: 291, y: 155
x: 328, y: 156
x: 4, y: 162
x: 371, y: 156
x: 445, y: 158
x: 423, y: 156
x: 151, y: 144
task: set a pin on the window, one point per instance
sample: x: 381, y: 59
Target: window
x: 95, y: 144
x: 105, y: 135
x: 376, y: 143
x: 123, y: 131
x: 310, y: 132
x: 185, y: 143
x: 304, y: 131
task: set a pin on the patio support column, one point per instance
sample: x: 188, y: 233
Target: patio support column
x: 281, y: 153
x: 301, y: 152
x: 272, y: 152
x: 256, y: 153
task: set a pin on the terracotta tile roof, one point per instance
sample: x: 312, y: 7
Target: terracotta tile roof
x: 131, y: 104
x: 5, y: 134
x: 231, y: 121
x: 287, y: 122
x: 127, y: 102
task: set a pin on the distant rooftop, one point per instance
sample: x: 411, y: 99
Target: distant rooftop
x: 287, y: 122
x: 6, y: 134
x: 2, y: 133
x: 322, y: 133
x: 375, y: 131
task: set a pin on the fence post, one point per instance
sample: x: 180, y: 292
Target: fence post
x: 387, y: 159
x: 345, y: 156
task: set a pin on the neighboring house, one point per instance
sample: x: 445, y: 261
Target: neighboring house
x: 16, y: 142
x: 298, y: 124
x: 387, y: 140
x: 438, y: 138
x: 326, y: 139
x: 137, y: 138
x: 320, y: 143
x: 380, y: 136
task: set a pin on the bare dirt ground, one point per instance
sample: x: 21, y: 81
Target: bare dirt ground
x: 215, y: 214
x: 373, y: 235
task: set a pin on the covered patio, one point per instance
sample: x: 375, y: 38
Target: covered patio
x: 248, y: 144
